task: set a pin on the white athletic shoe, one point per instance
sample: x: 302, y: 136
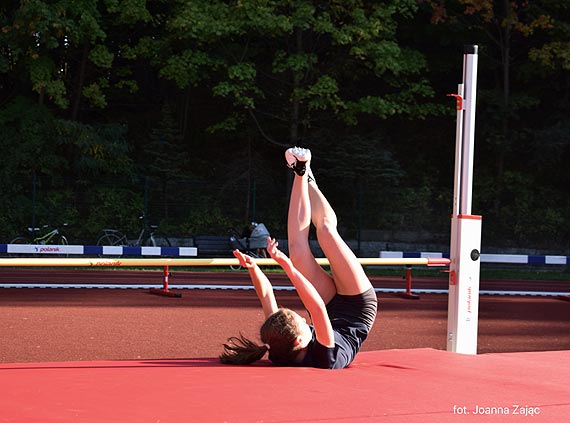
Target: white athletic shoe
x: 297, y: 159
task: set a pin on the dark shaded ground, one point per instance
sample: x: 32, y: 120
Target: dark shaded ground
x: 109, y: 324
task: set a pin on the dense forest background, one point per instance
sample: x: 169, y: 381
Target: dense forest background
x: 183, y: 109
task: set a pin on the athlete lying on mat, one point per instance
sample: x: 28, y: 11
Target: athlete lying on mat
x: 342, y: 305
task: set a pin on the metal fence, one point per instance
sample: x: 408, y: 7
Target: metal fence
x: 367, y: 210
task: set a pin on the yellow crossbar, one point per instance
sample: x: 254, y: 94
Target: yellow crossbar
x: 133, y: 262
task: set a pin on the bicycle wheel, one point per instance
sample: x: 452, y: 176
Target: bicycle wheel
x: 62, y: 240
x: 20, y: 240
x: 235, y: 267
x: 110, y: 239
x: 249, y: 253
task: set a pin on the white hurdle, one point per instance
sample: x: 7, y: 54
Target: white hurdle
x: 464, y: 270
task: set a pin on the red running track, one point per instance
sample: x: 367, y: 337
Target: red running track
x: 103, y: 324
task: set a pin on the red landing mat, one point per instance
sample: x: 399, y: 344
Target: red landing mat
x: 419, y: 385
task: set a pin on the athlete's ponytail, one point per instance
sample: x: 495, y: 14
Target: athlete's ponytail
x: 240, y: 350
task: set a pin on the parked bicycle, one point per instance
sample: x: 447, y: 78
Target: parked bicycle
x: 36, y: 237
x: 147, y: 237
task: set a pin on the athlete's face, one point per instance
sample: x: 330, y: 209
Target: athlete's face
x: 304, y: 331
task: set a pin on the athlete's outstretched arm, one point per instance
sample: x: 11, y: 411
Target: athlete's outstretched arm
x: 261, y: 283
x: 309, y: 295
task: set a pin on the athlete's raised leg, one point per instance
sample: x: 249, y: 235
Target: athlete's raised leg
x: 298, y: 224
x: 348, y: 274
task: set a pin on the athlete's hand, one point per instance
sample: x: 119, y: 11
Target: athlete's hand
x: 244, y: 260
x: 275, y: 253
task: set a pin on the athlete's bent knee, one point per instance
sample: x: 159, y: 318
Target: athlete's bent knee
x: 327, y: 230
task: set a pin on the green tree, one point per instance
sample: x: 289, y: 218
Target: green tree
x: 283, y: 72
x: 522, y: 98
x: 35, y: 176
x: 165, y: 158
x: 59, y: 60
x: 290, y: 67
x: 61, y: 50
x: 506, y: 31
